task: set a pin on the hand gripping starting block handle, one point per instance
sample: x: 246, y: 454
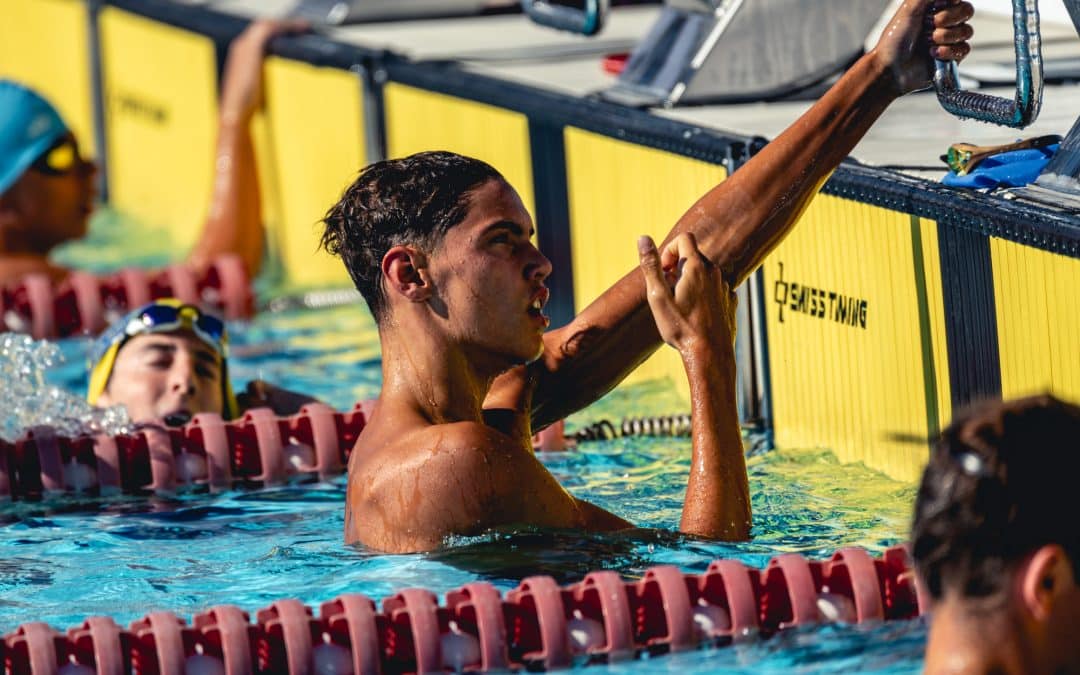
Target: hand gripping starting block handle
x: 1024, y: 108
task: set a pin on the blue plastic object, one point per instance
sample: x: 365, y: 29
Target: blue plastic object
x: 1008, y: 169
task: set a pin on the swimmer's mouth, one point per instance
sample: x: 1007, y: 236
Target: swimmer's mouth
x: 536, y: 307
x: 177, y: 419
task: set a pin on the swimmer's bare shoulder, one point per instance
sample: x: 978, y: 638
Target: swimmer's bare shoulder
x: 410, y: 492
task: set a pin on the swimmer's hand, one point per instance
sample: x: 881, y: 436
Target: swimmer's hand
x: 241, y: 93
x: 919, y: 32
x: 262, y: 394
x: 692, y: 304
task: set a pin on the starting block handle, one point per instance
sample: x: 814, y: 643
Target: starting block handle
x: 1019, y: 112
x: 587, y: 20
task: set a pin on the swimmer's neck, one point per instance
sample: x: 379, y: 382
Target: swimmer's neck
x: 968, y: 640
x: 442, y: 381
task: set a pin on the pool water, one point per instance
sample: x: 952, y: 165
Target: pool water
x: 124, y: 557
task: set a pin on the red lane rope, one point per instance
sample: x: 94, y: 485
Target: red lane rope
x: 538, y: 625
x: 258, y: 448
x: 85, y: 303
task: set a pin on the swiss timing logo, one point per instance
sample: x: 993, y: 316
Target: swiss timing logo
x: 818, y: 303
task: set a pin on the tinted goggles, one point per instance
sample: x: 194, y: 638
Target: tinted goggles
x: 60, y: 159
x: 161, y: 318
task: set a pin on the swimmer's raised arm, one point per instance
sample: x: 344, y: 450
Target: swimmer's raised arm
x: 234, y: 221
x: 742, y: 219
x: 697, y: 318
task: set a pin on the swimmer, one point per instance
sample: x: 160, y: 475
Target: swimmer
x: 439, y: 246
x: 997, y: 542
x: 47, y: 188
x: 169, y: 361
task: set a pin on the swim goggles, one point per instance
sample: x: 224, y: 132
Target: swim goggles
x: 60, y: 159
x: 161, y: 316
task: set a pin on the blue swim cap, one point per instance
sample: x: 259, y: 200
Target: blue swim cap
x: 29, y: 125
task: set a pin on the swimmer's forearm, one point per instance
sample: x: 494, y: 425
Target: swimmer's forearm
x: 737, y: 224
x: 742, y: 219
x: 234, y: 221
x: 717, y: 502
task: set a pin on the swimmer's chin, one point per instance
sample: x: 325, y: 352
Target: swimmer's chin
x: 539, y: 353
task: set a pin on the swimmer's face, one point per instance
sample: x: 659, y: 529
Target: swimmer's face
x: 159, y: 375
x: 51, y: 205
x: 1039, y: 605
x: 489, y: 278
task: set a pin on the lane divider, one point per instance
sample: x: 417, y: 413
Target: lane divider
x: 85, y: 303
x: 537, y: 626
x: 258, y: 448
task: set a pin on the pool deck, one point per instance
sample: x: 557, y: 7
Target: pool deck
x: 910, y: 137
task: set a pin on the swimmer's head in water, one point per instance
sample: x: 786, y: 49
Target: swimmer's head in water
x: 46, y: 187
x: 414, y: 200
x: 28, y: 126
x: 1001, y: 483
x: 163, y: 360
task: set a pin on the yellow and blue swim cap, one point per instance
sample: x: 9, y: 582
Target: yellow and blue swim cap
x: 161, y: 316
x: 29, y: 126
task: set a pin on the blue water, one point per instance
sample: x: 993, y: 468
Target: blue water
x: 63, y: 561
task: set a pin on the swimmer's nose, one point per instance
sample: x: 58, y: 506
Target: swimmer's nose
x: 182, y: 377
x: 539, y: 267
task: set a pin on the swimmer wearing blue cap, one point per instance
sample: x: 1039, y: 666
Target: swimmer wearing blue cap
x: 440, y: 246
x: 47, y: 186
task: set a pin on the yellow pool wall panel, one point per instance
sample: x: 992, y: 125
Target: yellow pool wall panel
x: 160, y: 86
x: 418, y: 120
x: 44, y: 44
x: 856, y: 336
x: 1038, y: 320
x: 317, y: 152
x: 618, y: 191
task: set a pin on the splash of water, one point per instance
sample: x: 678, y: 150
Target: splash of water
x: 30, y: 402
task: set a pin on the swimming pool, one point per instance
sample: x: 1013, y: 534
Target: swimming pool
x: 125, y: 557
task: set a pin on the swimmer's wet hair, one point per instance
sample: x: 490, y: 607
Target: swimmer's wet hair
x: 1000, y: 484
x: 414, y: 200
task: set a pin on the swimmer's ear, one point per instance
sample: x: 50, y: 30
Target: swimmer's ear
x: 1045, y: 579
x: 405, y: 271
